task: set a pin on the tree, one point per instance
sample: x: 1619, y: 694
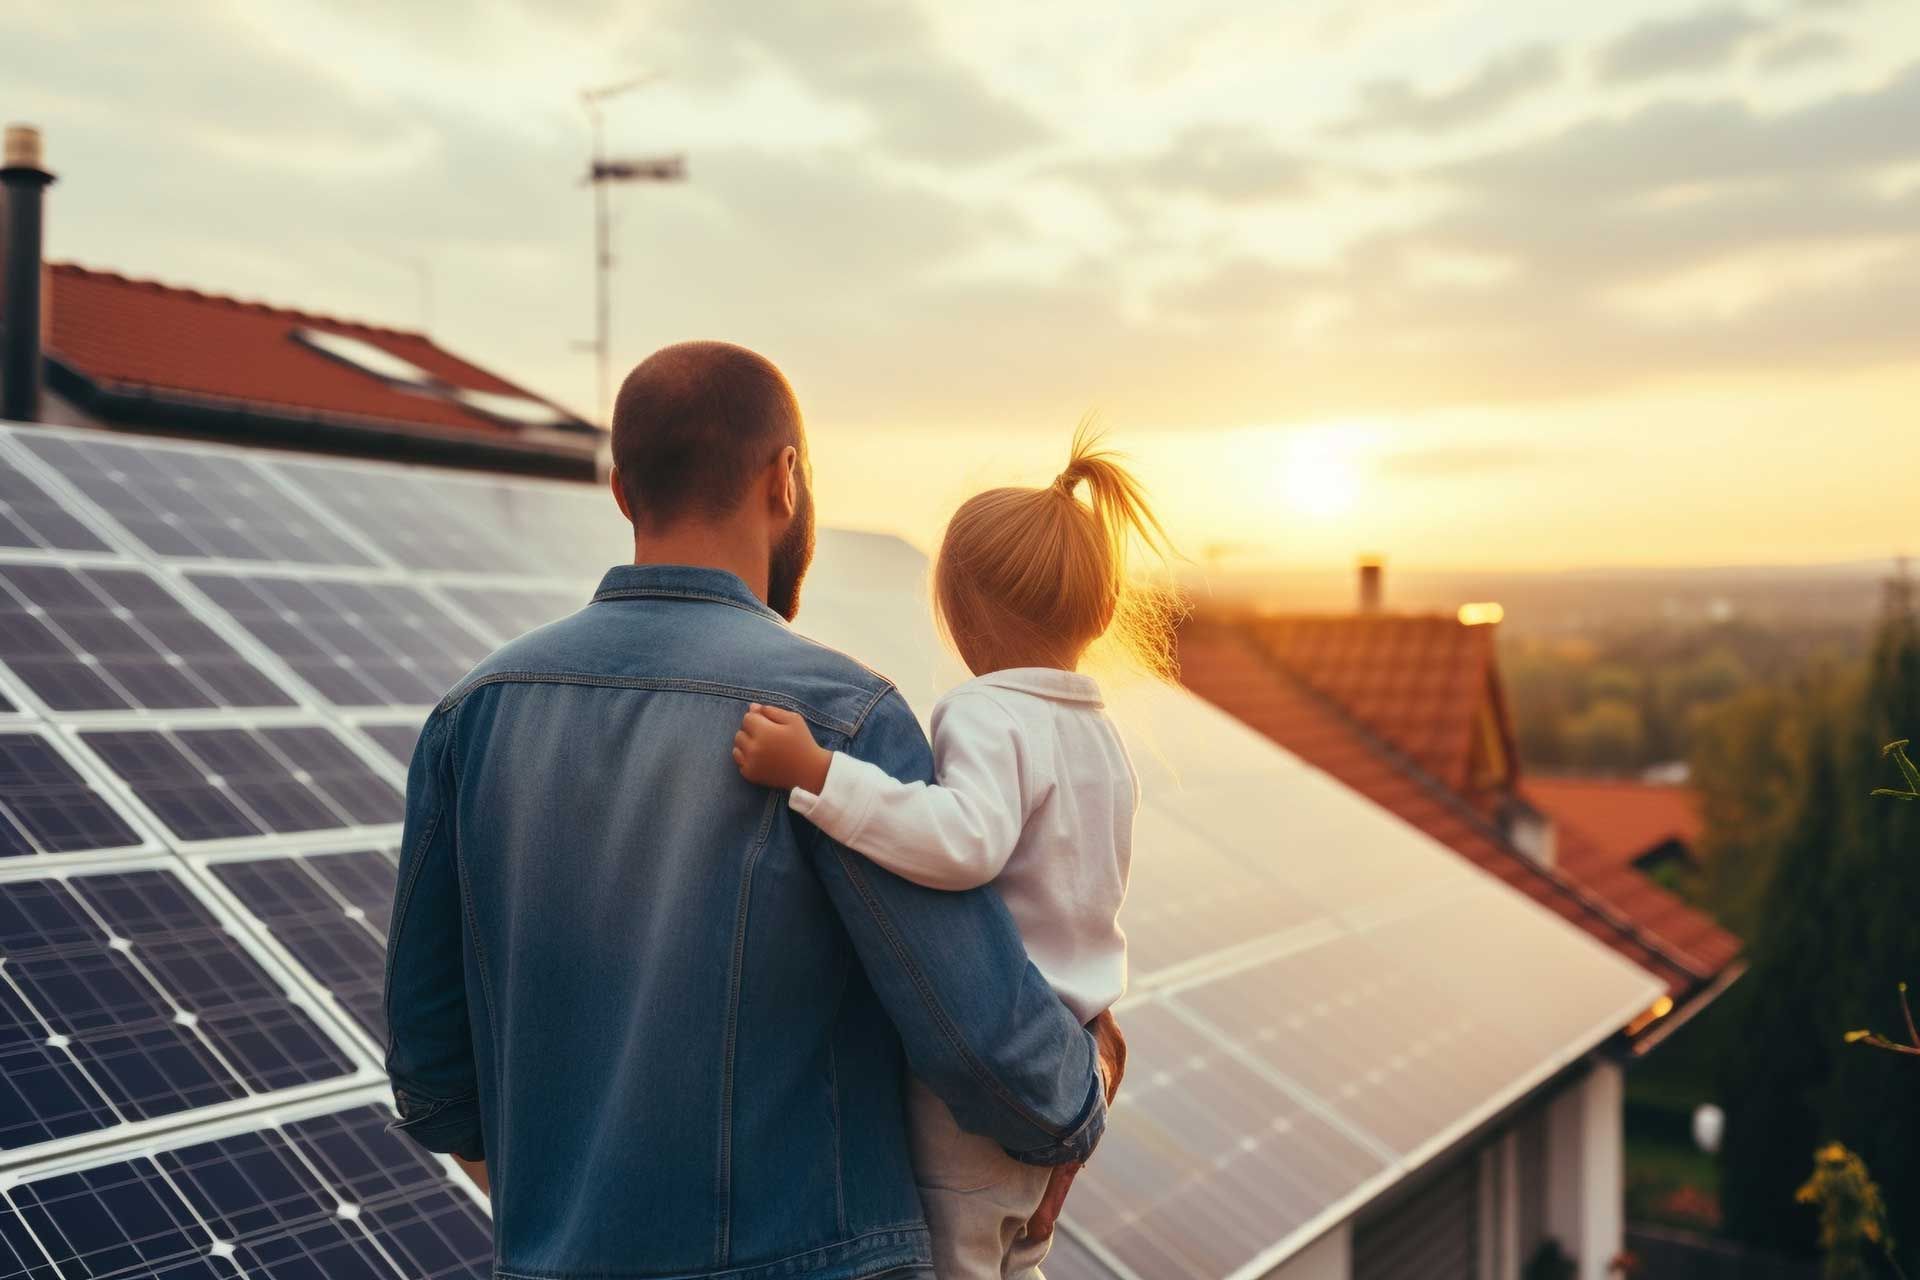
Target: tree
x: 1835, y: 933
x: 1873, y: 1103
x: 1785, y: 1036
x: 1748, y: 761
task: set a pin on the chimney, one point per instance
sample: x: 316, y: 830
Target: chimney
x: 1372, y: 585
x: 24, y: 184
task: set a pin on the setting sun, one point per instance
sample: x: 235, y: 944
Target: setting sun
x: 1319, y: 471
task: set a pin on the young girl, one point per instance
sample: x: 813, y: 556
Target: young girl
x: 1034, y: 792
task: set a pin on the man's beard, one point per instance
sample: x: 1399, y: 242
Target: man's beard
x: 792, y: 556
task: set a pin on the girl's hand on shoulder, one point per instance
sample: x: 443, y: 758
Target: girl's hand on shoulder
x: 775, y: 748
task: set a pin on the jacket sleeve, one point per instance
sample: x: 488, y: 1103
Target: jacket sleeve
x: 429, y: 1042
x: 957, y: 834
x: 981, y: 1027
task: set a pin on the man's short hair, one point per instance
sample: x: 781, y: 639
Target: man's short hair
x: 692, y: 426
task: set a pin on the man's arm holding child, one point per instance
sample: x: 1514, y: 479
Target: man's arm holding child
x: 980, y: 1025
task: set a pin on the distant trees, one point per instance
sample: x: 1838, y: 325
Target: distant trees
x: 1834, y: 930
x: 1621, y: 701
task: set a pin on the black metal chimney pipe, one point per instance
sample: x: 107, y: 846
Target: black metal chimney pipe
x: 25, y: 184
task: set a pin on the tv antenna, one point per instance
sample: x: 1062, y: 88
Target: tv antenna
x: 604, y: 171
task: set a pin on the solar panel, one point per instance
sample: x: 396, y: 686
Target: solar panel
x: 46, y: 806
x: 101, y: 639
x: 216, y: 784
x: 328, y: 1197
x: 511, y: 611
x: 193, y: 504
x: 330, y: 912
x: 354, y: 643
x: 434, y: 521
x: 32, y: 518
x: 192, y: 921
x: 142, y: 1005
x: 396, y: 738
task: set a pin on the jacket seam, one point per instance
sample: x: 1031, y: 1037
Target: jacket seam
x: 403, y: 902
x: 928, y: 997
x: 833, y: 1101
x: 738, y: 693
x: 723, y: 1174
x: 473, y: 932
x: 684, y: 593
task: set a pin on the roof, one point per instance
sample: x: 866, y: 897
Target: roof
x: 1225, y: 662
x: 1414, y: 680
x: 1619, y: 819
x: 127, y: 335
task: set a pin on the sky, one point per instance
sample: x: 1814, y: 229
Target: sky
x: 1468, y: 283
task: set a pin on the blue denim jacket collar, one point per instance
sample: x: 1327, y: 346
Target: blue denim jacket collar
x: 681, y: 582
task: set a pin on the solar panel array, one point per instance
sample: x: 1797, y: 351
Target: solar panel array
x: 214, y: 664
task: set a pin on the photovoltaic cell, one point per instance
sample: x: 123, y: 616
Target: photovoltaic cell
x: 299, y: 1202
x: 1205, y: 1161
x: 356, y: 643
x: 397, y: 740
x: 30, y: 517
x: 113, y: 639
x: 330, y: 911
x: 213, y: 784
x: 47, y: 807
x: 140, y: 1005
x: 194, y: 505
x: 432, y: 522
x: 514, y: 611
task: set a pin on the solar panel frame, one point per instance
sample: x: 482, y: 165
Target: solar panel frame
x: 97, y: 780
x: 363, y: 1063
x: 342, y: 919
x: 110, y: 657
x: 241, y: 824
x: 94, y: 471
x: 316, y: 1152
x: 349, y: 659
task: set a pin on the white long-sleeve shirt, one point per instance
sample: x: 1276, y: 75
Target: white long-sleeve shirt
x: 1034, y: 793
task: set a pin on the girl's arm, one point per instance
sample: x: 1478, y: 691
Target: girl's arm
x: 955, y: 835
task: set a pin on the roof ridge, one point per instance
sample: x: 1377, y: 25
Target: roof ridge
x: 227, y: 300
x: 1671, y: 952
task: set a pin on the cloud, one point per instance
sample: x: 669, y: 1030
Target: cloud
x: 1397, y: 105
x: 1226, y: 164
x: 923, y: 102
x: 1675, y: 143
x: 1802, y: 50
x: 1701, y: 41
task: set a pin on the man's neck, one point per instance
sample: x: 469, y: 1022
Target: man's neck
x: 706, y: 549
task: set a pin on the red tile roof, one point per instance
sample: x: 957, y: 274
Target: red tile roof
x: 1226, y: 663
x: 1416, y: 681
x: 1619, y: 820
x: 137, y: 335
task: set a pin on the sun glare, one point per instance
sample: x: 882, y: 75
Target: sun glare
x: 1319, y: 471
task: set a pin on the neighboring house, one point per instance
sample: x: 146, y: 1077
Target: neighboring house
x: 1621, y: 825
x: 135, y: 355
x: 1409, y: 711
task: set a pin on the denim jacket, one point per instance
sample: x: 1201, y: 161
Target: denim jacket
x: 673, y: 1016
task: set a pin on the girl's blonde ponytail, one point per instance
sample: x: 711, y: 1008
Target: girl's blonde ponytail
x: 1037, y: 571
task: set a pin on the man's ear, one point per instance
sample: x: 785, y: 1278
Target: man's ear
x: 619, y: 493
x: 785, y: 493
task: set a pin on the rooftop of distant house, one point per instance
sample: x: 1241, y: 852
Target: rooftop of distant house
x: 1409, y: 711
x: 135, y: 352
